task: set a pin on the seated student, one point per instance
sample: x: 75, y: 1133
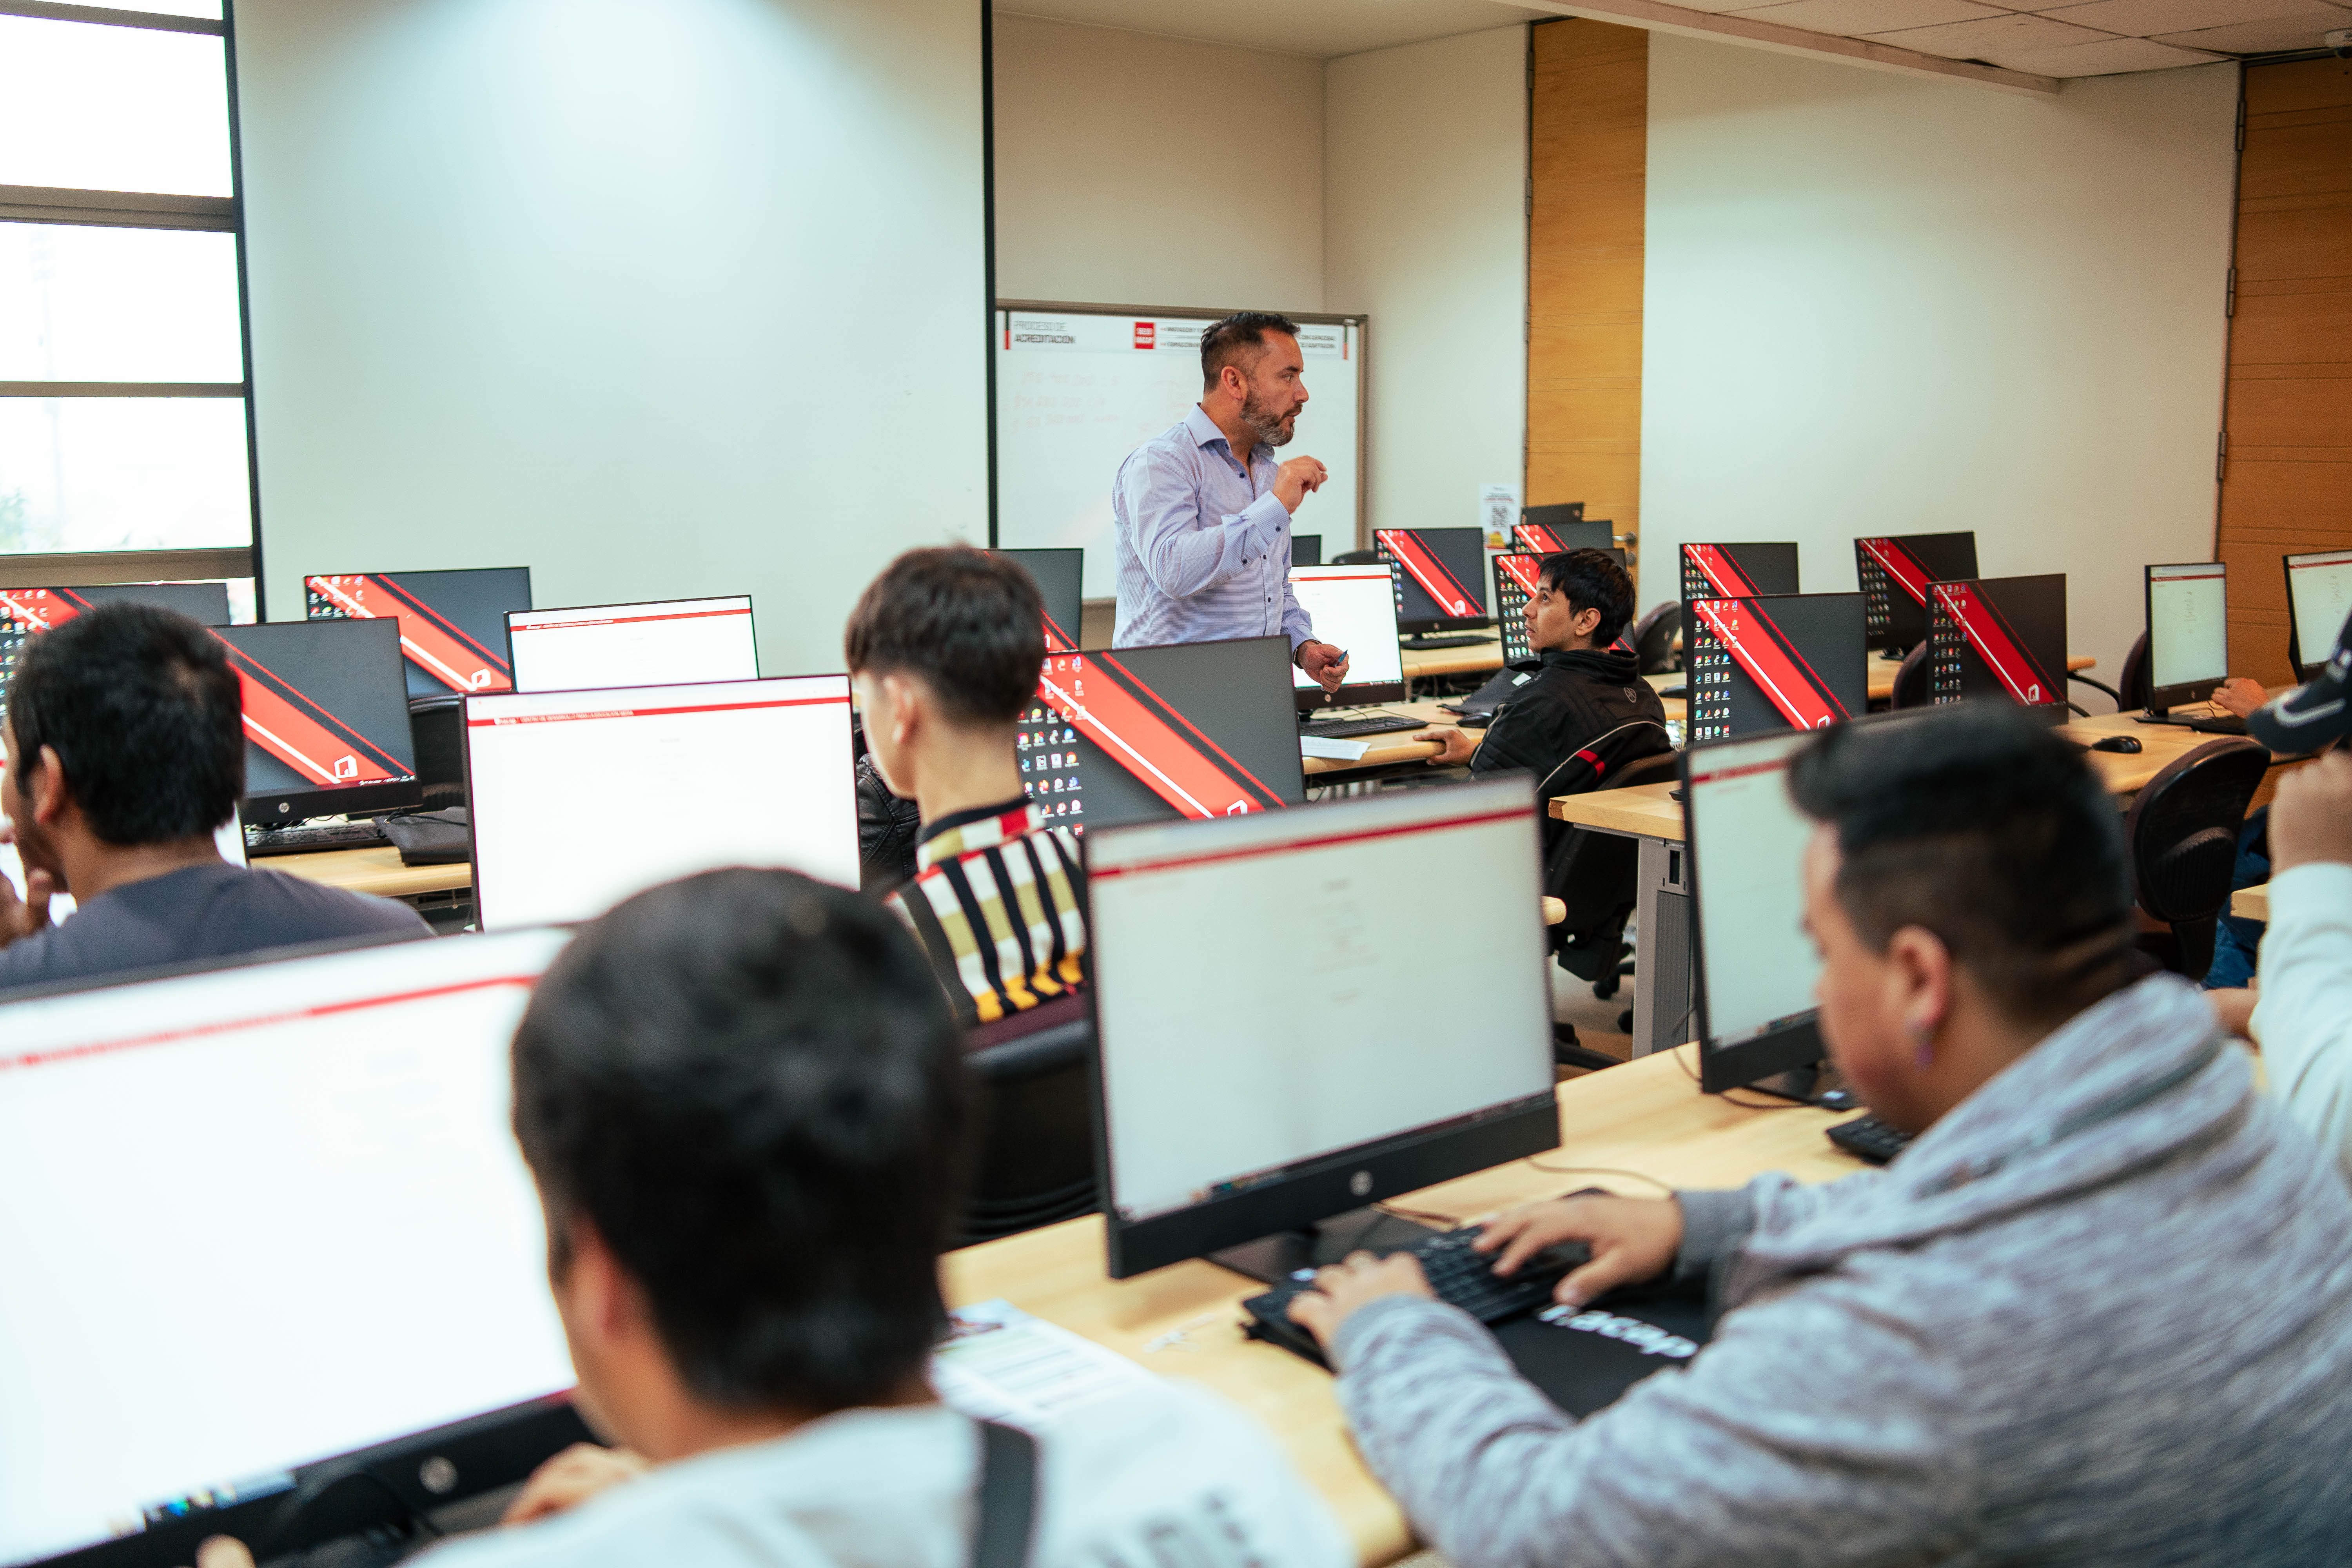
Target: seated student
x: 125, y: 753
x: 2100, y: 1311
x: 944, y: 649
x: 742, y: 1100
x: 1588, y: 710
x: 2235, y: 939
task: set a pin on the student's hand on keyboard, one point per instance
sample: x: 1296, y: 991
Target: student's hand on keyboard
x: 1364, y: 1279
x: 571, y: 1478
x: 2240, y: 696
x: 1452, y: 746
x: 1632, y: 1239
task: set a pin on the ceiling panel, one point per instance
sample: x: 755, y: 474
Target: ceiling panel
x: 2109, y: 56
x: 2147, y: 18
x: 1980, y: 40
x: 1855, y: 18
x: 2265, y: 38
x: 1321, y: 28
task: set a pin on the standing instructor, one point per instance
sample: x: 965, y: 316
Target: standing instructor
x: 1202, y: 511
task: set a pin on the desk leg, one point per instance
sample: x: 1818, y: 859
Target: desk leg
x: 1663, y: 973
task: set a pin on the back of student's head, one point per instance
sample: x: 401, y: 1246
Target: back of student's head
x: 748, y: 1084
x: 1984, y: 827
x: 969, y: 624
x: 1592, y: 580
x: 143, y: 711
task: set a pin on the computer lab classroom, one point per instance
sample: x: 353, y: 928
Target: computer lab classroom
x: 518, y: 399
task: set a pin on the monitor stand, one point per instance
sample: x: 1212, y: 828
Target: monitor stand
x: 1805, y: 1085
x: 1274, y: 1258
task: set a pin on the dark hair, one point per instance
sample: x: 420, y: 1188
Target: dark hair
x: 970, y: 622
x: 1592, y: 580
x: 146, y: 717
x: 1230, y: 340
x: 1984, y: 827
x: 750, y: 1084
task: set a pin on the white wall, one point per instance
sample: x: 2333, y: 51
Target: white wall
x: 658, y: 299
x: 1139, y: 170
x: 1882, y: 305
x: 1425, y: 230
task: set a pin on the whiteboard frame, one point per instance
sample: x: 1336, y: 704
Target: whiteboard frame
x: 1360, y: 322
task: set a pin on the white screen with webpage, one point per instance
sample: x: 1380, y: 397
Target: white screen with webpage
x: 753, y: 772
x: 1748, y: 845
x: 632, y: 645
x: 2319, y: 593
x: 1246, y: 972
x: 261, y: 1216
x: 2187, y: 624
x: 1353, y: 607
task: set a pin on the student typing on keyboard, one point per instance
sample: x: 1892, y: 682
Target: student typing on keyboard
x: 125, y: 753
x: 2099, y: 1311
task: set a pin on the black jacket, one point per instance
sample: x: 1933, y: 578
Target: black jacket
x: 1584, y: 715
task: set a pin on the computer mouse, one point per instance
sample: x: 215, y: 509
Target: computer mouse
x: 2128, y: 744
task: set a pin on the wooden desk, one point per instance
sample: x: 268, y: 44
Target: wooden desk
x: 1385, y: 750
x: 1487, y: 654
x: 2251, y: 903
x: 1182, y: 1321
x: 377, y: 871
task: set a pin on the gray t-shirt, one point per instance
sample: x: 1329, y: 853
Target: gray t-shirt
x: 215, y: 911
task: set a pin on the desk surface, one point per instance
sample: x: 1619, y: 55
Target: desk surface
x: 377, y: 871
x: 1399, y: 746
x: 1487, y: 655
x: 2251, y: 903
x: 1647, y: 1116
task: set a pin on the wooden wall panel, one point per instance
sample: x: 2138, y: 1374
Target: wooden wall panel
x: 1588, y: 125
x: 2287, y: 487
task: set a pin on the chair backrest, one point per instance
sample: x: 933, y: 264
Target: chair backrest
x: 1659, y: 767
x: 437, y: 731
x: 1654, y: 637
x: 2183, y: 828
x: 1911, y: 680
x: 2131, y: 685
x: 1034, y: 1160
x: 1593, y: 873
x: 1355, y: 558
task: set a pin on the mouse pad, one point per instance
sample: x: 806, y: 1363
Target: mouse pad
x: 1581, y: 1358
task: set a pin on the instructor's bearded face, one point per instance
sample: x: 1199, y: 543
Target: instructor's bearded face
x: 1271, y: 409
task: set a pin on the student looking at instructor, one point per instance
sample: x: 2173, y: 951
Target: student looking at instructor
x: 125, y: 753
x: 2099, y: 1311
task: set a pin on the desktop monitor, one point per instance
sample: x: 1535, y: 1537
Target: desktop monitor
x: 326, y: 719
x: 1353, y: 607
x: 282, y: 1231
x: 1256, y: 1073
x: 752, y: 773
x: 453, y: 624
x: 2188, y: 632
x: 1441, y: 579
x: 1999, y: 636
x: 1059, y: 574
x: 1894, y: 575
x: 1737, y: 572
x: 1141, y: 734
x: 666, y: 643
x: 2318, y: 602
x: 27, y: 611
x: 1774, y: 662
x: 1548, y: 530
x: 1306, y: 550
x: 1755, y: 965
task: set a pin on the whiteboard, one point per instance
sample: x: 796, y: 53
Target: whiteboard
x: 1080, y: 386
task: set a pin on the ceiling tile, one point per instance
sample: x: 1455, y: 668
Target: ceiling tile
x: 2109, y: 59
x: 1855, y: 17
x: 1322, y: 28
x: 1980, y: 40
x: 2150, y: 18
x: 2264, y: 37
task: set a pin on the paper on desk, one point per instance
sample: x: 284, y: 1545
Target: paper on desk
x: 999, y: 1364
x: 1336, y: 750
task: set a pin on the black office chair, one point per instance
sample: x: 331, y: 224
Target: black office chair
x: 1657, y: 638
x: 1357, y: 558
x: 2183, y: 832
x: 1035, y: 1116
x: 2130, y: 690
x: 1911, y: 679
x: 436, y: 729
x: 1593, y: 874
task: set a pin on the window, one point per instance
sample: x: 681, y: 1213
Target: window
x: 125, y: 406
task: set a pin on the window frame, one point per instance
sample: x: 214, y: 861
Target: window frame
x: 145, y: 209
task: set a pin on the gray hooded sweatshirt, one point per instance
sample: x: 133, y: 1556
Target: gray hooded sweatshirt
x: 2099, y: 1313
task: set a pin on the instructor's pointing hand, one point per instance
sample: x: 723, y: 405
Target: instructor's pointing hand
x: 1323, y: 663
x: 1295, y: 478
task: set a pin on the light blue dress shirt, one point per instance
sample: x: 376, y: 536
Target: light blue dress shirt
x: 1203, y: 548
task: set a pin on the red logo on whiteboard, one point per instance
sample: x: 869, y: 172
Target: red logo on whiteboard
x: 1143, y: 334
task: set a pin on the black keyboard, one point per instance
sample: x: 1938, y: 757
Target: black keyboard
x: 1425, y: 645
x: 1349, y: 729
x: 1868, y: 1137
x: 2220, y: 724
x: 1461, y: 1278
x: 305, y: 840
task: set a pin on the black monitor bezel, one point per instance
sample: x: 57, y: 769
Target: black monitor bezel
x: 310, y: 577
x: 1329, y: 1184
x: 749, y: 608
x: 1795, y: 1044
x: 1308, y: 699
x: 1690, y: 634
x: 2162, y: 698
x: 1419, y: 626
x: 2054, y: 713
x: 2304, y: 668
x: 1893, y: 649
x: 282, y: 808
